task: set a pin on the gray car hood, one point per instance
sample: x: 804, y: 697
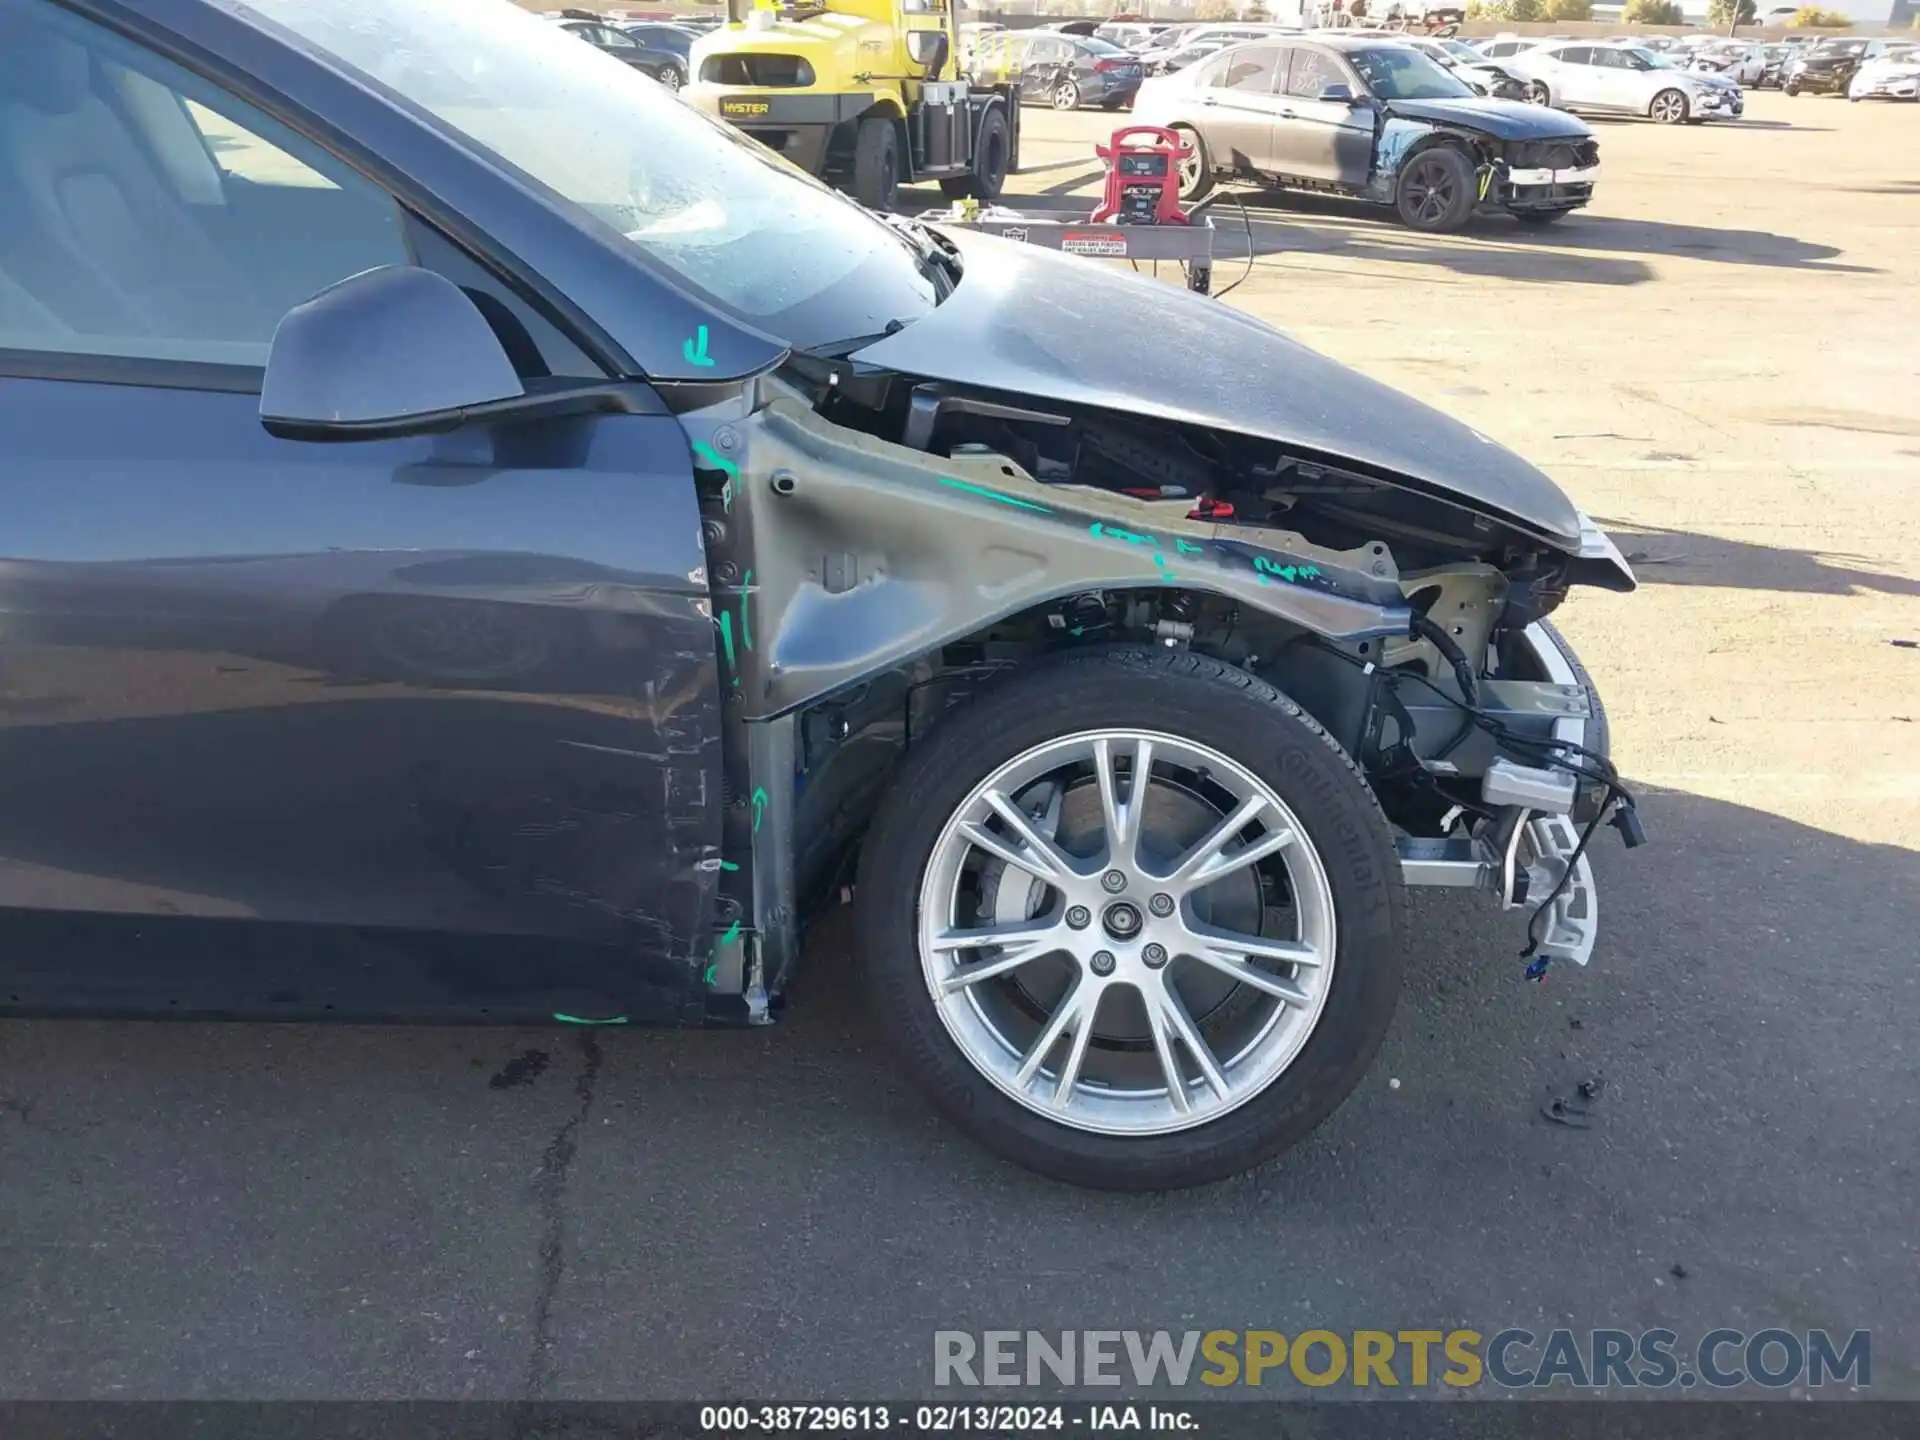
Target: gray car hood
x: 1051, y: 327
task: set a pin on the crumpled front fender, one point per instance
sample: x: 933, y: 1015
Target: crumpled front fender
x: 865, y: 555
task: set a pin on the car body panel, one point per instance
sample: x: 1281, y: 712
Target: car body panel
x: 1048, y: 327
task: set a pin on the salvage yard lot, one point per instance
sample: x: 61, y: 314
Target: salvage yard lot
x: 1719, y: 361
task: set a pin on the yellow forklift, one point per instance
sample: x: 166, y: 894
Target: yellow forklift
x: 867, y: 94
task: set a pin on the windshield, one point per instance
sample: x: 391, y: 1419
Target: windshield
x: 751, y: 233
x: 1095, y: 46
x: 1402, y: 73
x: 1462, y: 52
x: 1840, y: 47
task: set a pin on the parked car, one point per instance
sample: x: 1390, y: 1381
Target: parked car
x: 1316, y: 112
x: 1894, y: 74
x: 1828, y: 67
x: 1196, y: 42
x: 1743, y: 63
x: 1773, y: 66
x: 665, y: 64
x: 456, y: 571
x: 1626, y: 80
x: 1057, y: 69
x: 663, y: 47
x: 1483, y: 75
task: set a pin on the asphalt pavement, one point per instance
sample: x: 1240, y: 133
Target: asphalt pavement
x: 1718, y: 360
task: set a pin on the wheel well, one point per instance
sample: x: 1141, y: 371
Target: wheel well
x: 849, y: 744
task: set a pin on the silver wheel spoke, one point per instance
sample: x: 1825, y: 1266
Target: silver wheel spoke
x: 1161, y: 1024
x: 1227, y: 956
x: 1019, y: 944
x: 1175, y: 1011
x: 1015, y: 855
x: 1072, y: 1004
x: 1057, y: 866
x: 1210, y: 860
x: 1122, y: 820
x: 1076, y: 1057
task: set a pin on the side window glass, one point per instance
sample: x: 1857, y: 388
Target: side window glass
x: 1252, y: 69
x: 150, y: 215
x: 1576, y: 55
x: 1311, y: 73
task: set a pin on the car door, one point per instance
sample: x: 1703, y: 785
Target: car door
x: 256, y: 687
x: 1328, y: 141
x: 1240, y: 106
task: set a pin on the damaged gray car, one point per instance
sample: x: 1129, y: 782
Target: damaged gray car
x: 509, y: 549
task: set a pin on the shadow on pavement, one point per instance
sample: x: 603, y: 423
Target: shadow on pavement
x: 1681, y: 557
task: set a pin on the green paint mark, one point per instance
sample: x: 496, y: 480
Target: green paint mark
x: 706, y: 976
x: 759, y: 807
x: 728, y: 865
x: 985, y: 494
x: 746, y: 600
x: 694, y: 351
x: 1289, y: 573
x: 1077, y: 631
x: 726, y: 637
x: 1167, y: 577
x: 733, y: 934
x: 1187, y: 547
x: 582, y: 1020
x: 1114, y: 532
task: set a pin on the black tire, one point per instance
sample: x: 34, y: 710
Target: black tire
x: 1542, y: 217
x: 1066, y: 94
x: 1791, y: 88
x: 1435, y: 191
x: 1669, y: 107
x: 990, y: 152
x: 671, y: 76
x: 1196, y: 179
x: 876, y: 162
x: 1538, y: 94
x: 1178, y: 693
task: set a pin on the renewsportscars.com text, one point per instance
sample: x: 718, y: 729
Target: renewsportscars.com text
x: 1597, y: 1359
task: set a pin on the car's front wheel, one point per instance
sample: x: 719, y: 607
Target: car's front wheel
x: 1669, y: 107
x: 1436, y: 190
x: 1132, y: 920
x: 671, y: 76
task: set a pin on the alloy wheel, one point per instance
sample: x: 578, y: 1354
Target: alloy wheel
x: 1126, y: 932
x: 1431, y: 190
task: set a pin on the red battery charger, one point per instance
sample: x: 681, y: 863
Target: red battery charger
x: 1143, y: 177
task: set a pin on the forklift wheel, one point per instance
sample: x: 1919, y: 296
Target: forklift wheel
x: 989, y: 162
x: 876, y: 163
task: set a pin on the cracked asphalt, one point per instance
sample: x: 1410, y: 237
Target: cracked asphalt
x: 1719, y: 360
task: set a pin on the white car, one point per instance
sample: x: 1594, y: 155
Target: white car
x: 1469, y: 64
x: 1732, y: 58
x: 1892, y: 76
x: 1503, y: 46
x: 1626, y: 80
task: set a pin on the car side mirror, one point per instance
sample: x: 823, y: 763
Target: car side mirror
x: 400, y: 350
x: 928, y: 48
x: 1337, y: 94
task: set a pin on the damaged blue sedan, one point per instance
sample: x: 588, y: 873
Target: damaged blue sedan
x: 1373, y: 118
x: 487, y: 543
